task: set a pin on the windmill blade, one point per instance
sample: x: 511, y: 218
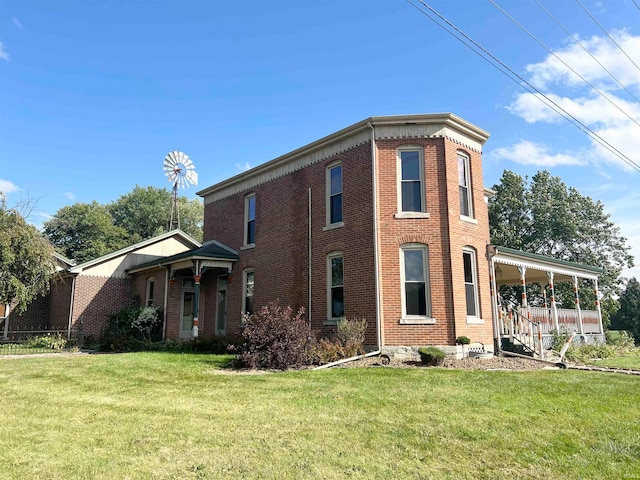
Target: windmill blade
x: 192, y: 177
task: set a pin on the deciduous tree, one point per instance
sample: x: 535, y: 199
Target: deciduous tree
x: 628, y: 316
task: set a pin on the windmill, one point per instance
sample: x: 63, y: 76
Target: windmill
x: 180, y: 170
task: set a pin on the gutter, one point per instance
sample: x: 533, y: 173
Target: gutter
x: 376, y: 248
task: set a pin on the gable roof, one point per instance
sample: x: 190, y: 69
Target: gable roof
x: 211, y: 250
x: 131, y: 248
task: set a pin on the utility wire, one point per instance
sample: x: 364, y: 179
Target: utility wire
x: 585, y: 48
x: 543, y: 45
x: 493, y: 60
x: 607, y: 33
x: 636, y: 4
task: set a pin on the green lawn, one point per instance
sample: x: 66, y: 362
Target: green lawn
x: 163, y: 415
x: 621, y: 362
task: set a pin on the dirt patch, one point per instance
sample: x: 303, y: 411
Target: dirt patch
x: 495, y: 363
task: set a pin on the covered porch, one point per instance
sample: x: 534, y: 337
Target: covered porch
x: 530, y: 321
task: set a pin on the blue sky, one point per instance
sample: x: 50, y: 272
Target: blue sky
x: 95, y: 93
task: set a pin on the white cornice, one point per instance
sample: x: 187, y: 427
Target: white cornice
x: 435, y: 125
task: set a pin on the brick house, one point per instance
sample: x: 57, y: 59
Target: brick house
x: 385, y: 220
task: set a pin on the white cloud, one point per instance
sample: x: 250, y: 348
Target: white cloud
x: 69, y: 195
x: 8, y: 187
x: 617, y: 126
x: 243, y: 167
x: 17, y: 23
x: 531, y: 153
x: 3, y: 53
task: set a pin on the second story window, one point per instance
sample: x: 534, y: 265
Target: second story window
x: 464, y: 186
x: 334, y: 194
x: 411, y: 180
x: 250, y: 220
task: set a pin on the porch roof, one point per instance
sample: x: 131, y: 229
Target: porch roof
x: 507, y: 260
x: 209, y: 251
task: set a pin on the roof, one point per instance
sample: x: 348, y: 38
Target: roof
x: 363, y: 127
x: 211, y: 250
x: 537, y: 266
x: 64, y: 259
x: 136, y: 246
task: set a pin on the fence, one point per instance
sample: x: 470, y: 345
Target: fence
x: 34, y: 340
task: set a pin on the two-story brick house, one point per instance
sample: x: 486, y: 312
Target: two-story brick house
x: 384, y: 220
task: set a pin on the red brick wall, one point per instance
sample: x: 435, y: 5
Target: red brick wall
x: 96, y: 298
x: 280, y: 255
x: 140, y: 286
x: 444, y: 233
x: 35, y: 317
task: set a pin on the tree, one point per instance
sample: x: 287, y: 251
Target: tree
x: 542, y: 215
x: 145, y: 213
x: 628, y: 316
x: 84, y: 231
x: 26, y: 259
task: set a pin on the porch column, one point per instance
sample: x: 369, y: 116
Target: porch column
x: 196, y: 308
x: 578, y: 311
x: 597, y: 293
x: 523, y: 271
x: 554, y: 308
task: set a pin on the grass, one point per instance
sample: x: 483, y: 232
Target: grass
x: 632, y: 362
x: 175, y: 416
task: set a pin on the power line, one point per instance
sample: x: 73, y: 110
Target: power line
x: 607, y: 34
x: 585, y: 48
x: 636, y: 4
x: 600, y: 92
x: 503, y: 68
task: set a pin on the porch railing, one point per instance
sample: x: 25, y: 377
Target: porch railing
x: 567, y: 320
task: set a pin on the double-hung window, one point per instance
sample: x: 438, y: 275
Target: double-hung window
x: 470, y: 282
x: 416, y: 301
x: 411, y: 179
x: 247, y: 286
x: 249, y: 220
x: 334, y: 194
x: 464, y: 186
x: 335, y: 287
x: 149, y: 292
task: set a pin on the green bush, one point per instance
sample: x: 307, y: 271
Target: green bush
x: 619, y: 338
x: 431, y: 356
x: 462, y: 340
x: 350, y: 333
x: 53, y: 342
x: 559, y: 338
x: 132, y: 329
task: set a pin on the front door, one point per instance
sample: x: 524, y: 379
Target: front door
x: 221, y: 308
x: 187, y: 308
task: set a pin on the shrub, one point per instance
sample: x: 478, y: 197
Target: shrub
x: 54, y: 342
x: 559, y: 338
x: 350, y: 333
x: 275, y: 337
x: 147, y: 322
x: 462, y: 340
x: 431, y: 356
x: 327, y: 351
x: 619, y: 338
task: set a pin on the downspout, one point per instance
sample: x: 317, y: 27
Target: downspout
x: 73, y: 291
x: 374, y: 178
x: 309, y: 266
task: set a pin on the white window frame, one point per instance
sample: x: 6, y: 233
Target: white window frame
x: 474, y: 282
x: 467, y: 175
x: 423, y: 200
x: 149, y: 292
x: 416, y: 319
x: 330, y: 168
x: 245, y: 283
x: 331, y: 320
x: 247, y: 219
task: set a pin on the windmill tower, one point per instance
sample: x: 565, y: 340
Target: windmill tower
x: 180, y: 170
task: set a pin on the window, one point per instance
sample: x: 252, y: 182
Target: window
x: 250, y: 220
x: 149, y: 293
x: 415, y: 281
x: 470, y: 282
x: 411, y: 180
x: 464, y: 186
x: 248, y: 284
x: 334, y: 194
x: 335, y: 290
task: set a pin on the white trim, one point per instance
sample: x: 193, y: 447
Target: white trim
x: 423, y: 203
x: 408, y: 318
x: 247, y: 201
x: 412, y: 215
x: 417, y: 321
x: 330, y: 286
x: 186, y: 333
x: 505, y: 258
x: 474, y: 281
x: 468, y: 219
x: 329, y: 224
x: 468, y: 186
x: 333, y: 226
